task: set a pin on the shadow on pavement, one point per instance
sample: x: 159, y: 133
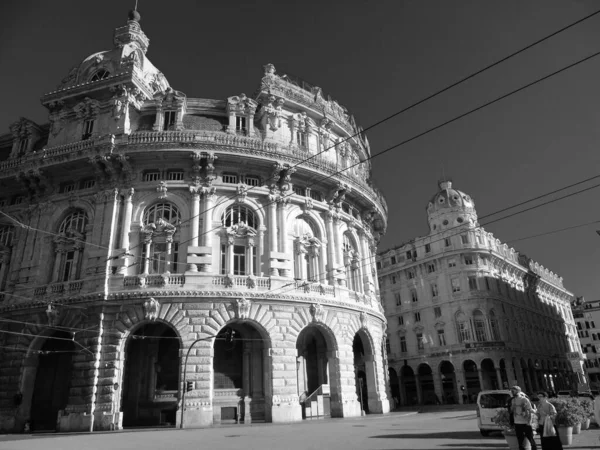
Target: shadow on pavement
x: 440, y: 435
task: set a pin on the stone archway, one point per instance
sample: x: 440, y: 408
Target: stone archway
x: 426, y: 386
x: 50, y: 393
x: 408, y: 383
x: 449, y: 385
x: 489, y: 376
x: 151, y: 376
x: 473, y: 385
x: 241, y: 376
x: 318, y: 392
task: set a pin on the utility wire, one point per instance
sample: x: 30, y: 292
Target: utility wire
x: 554, y: 231
x: 437, y: 93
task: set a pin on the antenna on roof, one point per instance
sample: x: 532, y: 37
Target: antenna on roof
x: 135, y: 7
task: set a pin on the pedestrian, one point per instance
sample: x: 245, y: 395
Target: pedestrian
x: 547, y: 410
x: 522, y: 411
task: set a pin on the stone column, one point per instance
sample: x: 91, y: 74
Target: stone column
x: 283, y: 237
x: 437, y: 386
x: 247, y: 385
x: 195, y: 224
x: 339, y: 247
x: 273, y: 235
x: 481, y: 380
x: 229, y: 257
x: 207, y: 232
x: 460, y: 382
x: 148, y: 245
x: 367, y: 278
x: 419, y: 390
x: 519, y: 373
x: 231, y: 123
x: 168, y: 256
x: 499, y: 378
x: 58, y: 260
x: 250, y: 258
x: 261, y: 251
x: 127, y: 212
x: 331, y: 255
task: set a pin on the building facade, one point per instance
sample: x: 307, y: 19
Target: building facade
x: 587, y: 317
x: 466, y: 312
x: 186, y: 261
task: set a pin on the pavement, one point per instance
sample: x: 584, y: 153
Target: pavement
x: 447, y: 429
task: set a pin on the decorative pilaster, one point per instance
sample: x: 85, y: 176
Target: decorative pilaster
x: 127, y: 212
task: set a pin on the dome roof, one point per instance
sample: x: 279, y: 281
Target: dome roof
x: 450, y: 208
x: 448, y: 198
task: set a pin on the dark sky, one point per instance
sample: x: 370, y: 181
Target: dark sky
x: 376, y: 57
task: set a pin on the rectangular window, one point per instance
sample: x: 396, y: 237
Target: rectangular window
x: 400, y: 320
x: 398, y: 298
x: 17, y: 200
x: 413, y: 295
x: 230, y: 178
x: 463, y: 332
x: 473, y: 283
x: 151, y: 176
x: 451, y: 263
x: 88, y: 129
x: 169, y: 123
x: 239, y: 260
x: 427, y: 248
x: 393, y: 259
x: 394, y: 279
x: 316, y: 195
x: 464, y: 238
x: 417, y: 317
x: 378, y: 265
x: 420, y: 345
x: 441, y: 337
x: 175, y: 175
x: 487, y: 284
x: 299, y: 190
x: 68, y: 188
x: 302, y: 139
x: 587, y: 324
x: 68, y: 266
x: 468, y: 260
x: 240, y: 123
x: 253, y: 181
x: 388, y: 347
x: 88, y: 184
x: 455, y: 285
x: 437, y: 311
x: 480, y: 334
x: 410, y: 274
x: 434, y: 290
x: 447, y: 242
x: 408, y: 255
x: 23, y: 146
x: 403, y: 348
x: 431, y: 267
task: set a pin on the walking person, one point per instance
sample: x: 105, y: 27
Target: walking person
x: 547, y: 410
x: 522, y: 410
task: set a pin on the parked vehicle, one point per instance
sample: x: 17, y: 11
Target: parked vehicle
x: 488, y: 404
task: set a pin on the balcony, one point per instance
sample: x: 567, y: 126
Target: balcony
x: 66, y: 288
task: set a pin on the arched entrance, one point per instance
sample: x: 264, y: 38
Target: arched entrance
x: 426, y: 384
x: 472, y: 379
x: 409, y: 386
x: 151, y: 376
x: 240, y: 376
x: 449, y: 391
x: 504, y: 374
x: 488, y: 375
x: 52, y: 381
x: 314, y: 389
x: 394, y: 386
x: 364, y: 370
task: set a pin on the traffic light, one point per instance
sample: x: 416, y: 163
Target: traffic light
x: 189, y: 386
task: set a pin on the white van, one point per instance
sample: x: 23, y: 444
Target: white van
x: 488, y: 404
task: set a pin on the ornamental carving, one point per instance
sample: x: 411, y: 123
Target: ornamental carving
x: 151, y: 308
x: 53, y: 315
x: 272, y: 113
x: 87, y: 109
x: 363, y: 319
x: 317, y: 312
x: 159, y: 229
x: 162, y: 189
x: 242, y: 192
x: 242, y: 308
x: 241, y: 105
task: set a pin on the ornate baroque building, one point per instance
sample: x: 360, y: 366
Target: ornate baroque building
x: 587, y: 317
x: 186, y: 261
x: 466, y: 312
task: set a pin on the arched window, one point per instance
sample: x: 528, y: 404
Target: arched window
x: 479, y: 325
x: 494, y: 326
x: 166, y: 211
x: 69, y: 246
x: 100, y: 75
x: 75, y: 221
x: 463, y: 328
x: 352, y: 263
x: 160, y: 253
x: 238, y: 251
x: 237, y: 214
x: 307, y: 251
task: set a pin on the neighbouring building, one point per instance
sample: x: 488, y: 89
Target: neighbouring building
x: 467, y: 312
x: 170, y: 260
x: 587, y: 317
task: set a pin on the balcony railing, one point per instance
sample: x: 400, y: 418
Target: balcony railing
x: 310, y: 287
x: 69, y: 287
x: 154, y: 280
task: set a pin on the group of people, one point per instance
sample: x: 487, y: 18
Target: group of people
x: 522, y: 413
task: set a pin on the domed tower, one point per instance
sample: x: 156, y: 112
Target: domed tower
x: 450, y: 208
x: 211, y: 260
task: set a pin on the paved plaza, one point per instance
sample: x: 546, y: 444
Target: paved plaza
x: 450, y: 430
